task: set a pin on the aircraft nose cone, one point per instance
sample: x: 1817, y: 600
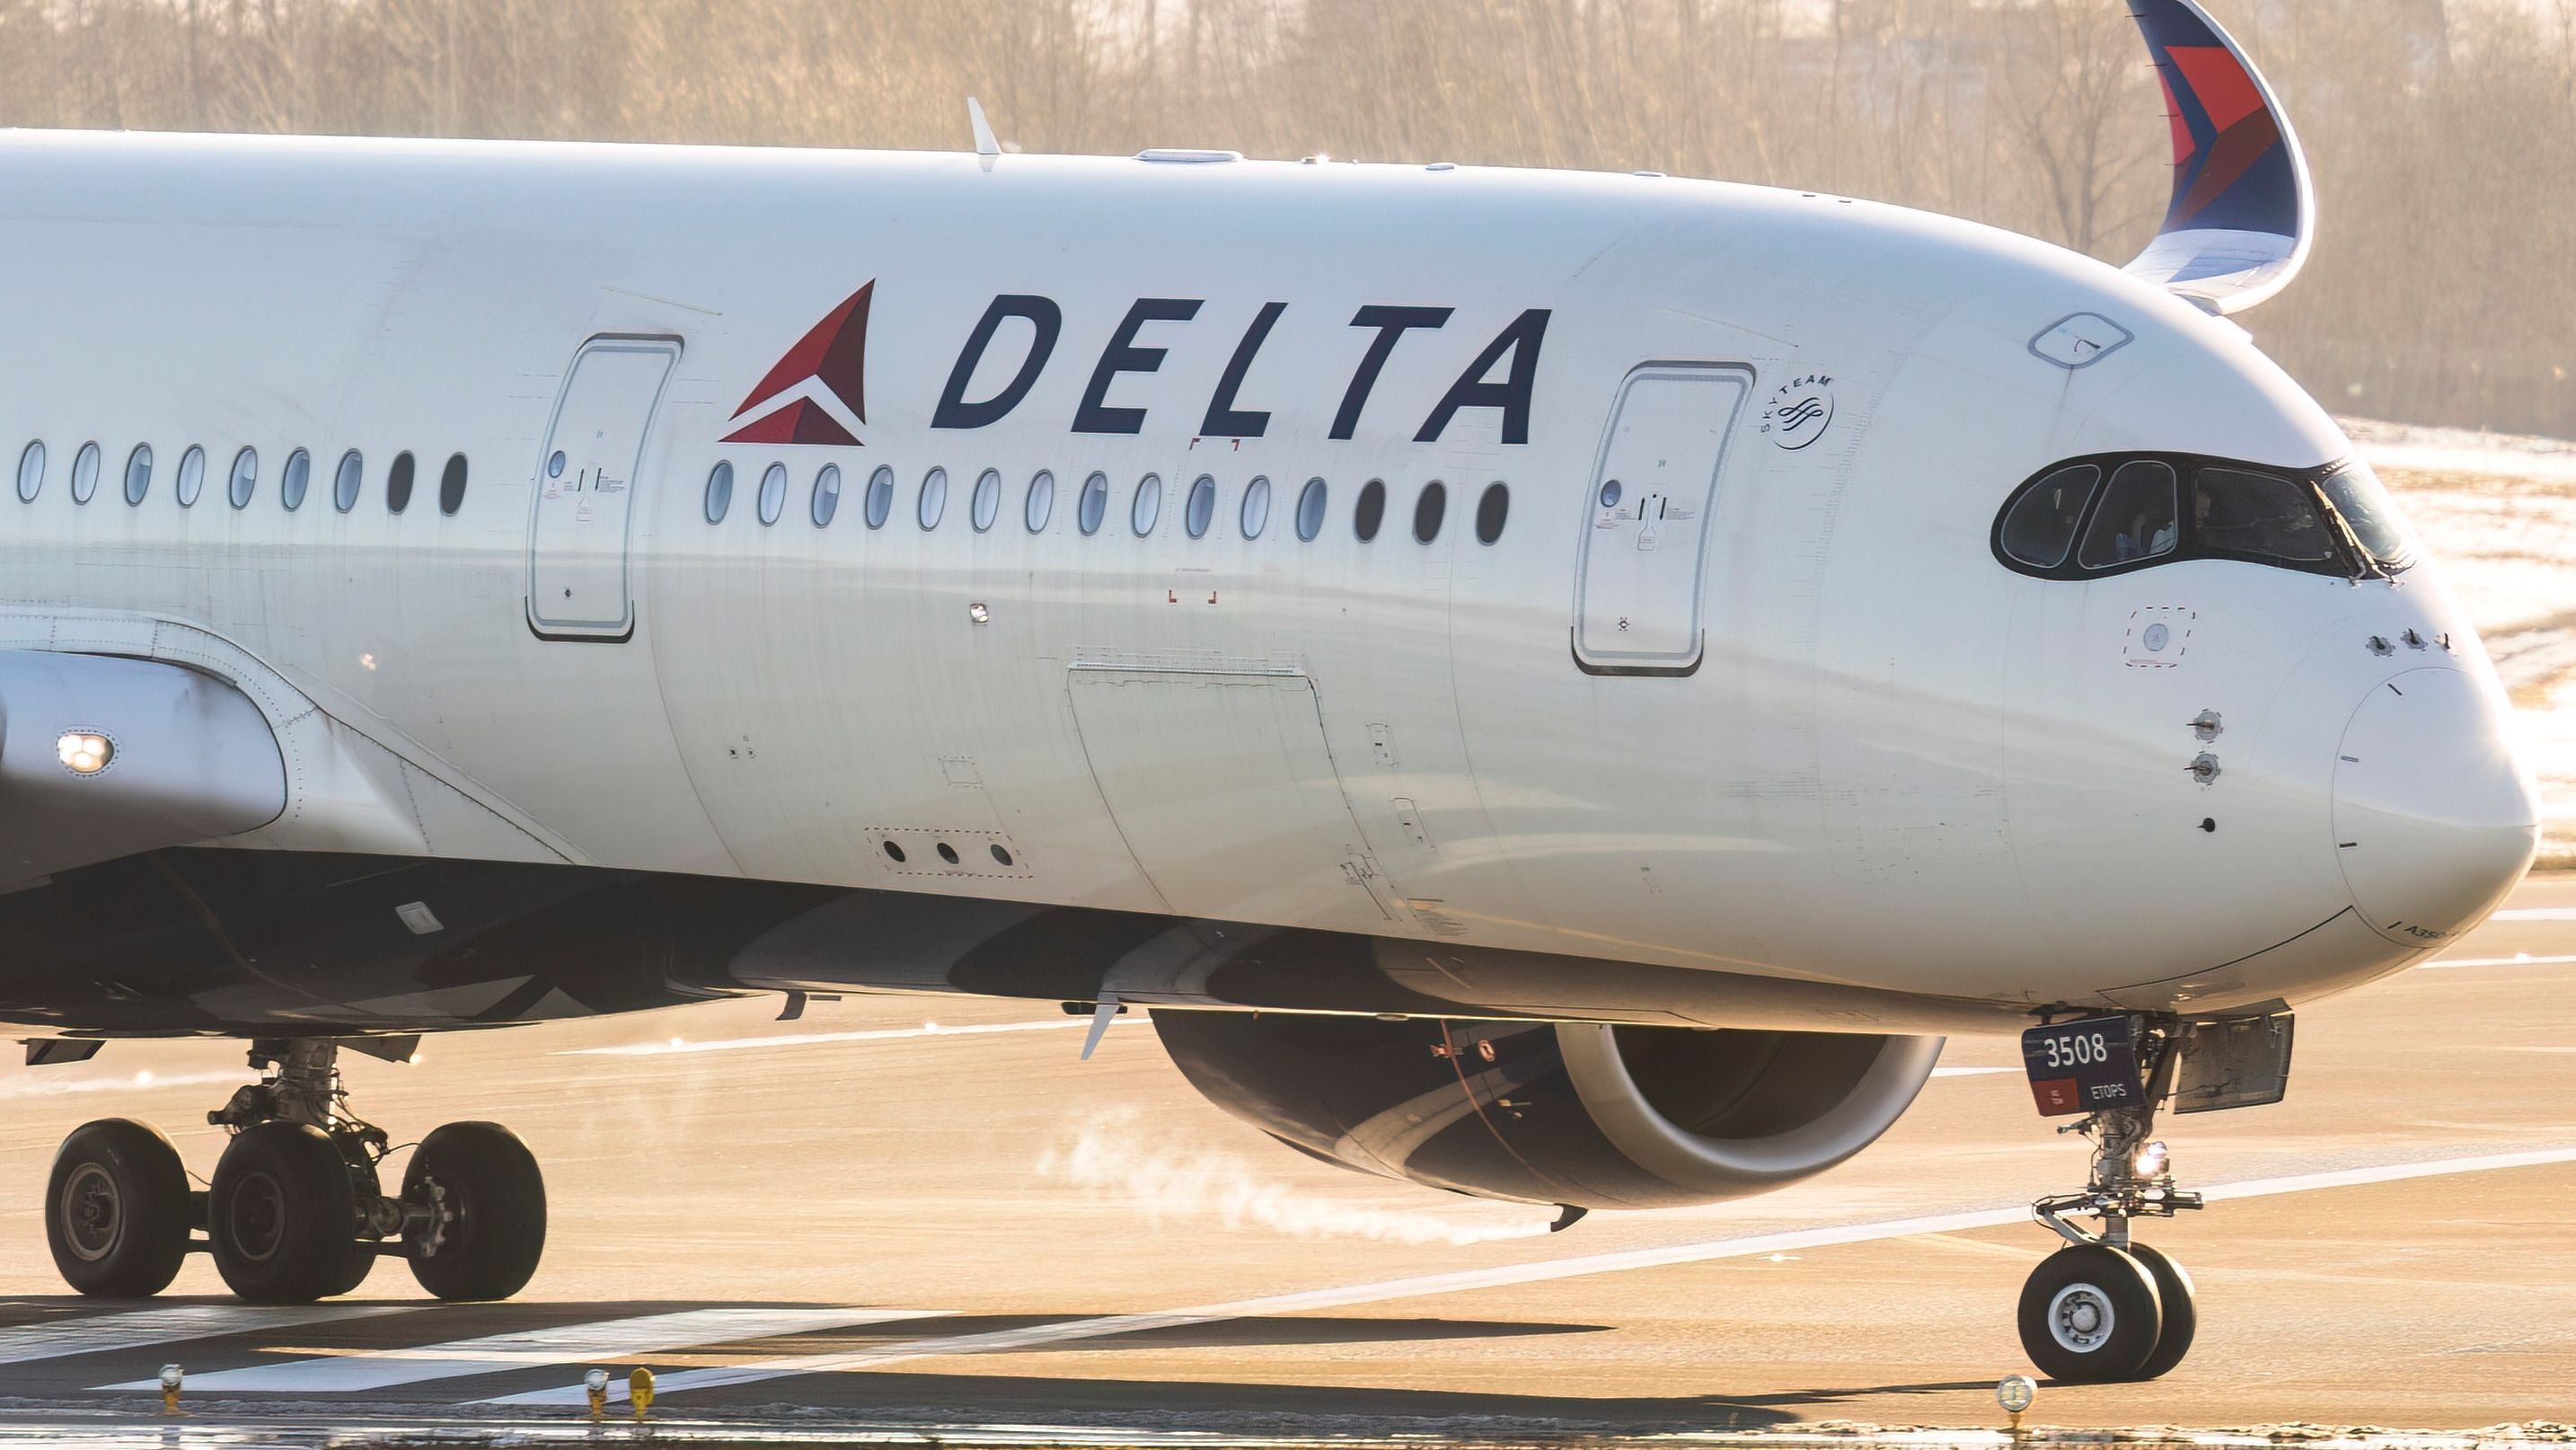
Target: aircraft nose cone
x: 2434, y: 818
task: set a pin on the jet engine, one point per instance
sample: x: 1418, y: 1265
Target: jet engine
x: 1590, y: 1115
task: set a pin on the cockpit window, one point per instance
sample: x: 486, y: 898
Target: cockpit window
x: 2376, y: 524
x: 2136, y: 519
x: 2041, y: 527
x: 2135, y: 510
x: 2235, y: 511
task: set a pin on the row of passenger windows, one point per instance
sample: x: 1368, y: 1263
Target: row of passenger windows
x: 2130, y: 512
x: 294, y: 480
x: 1091, y: 505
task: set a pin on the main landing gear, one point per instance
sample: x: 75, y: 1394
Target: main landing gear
x: 296, y: 1211
x: 2106, y: 1308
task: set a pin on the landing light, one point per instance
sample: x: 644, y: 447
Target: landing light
x: 2151, y: 1160
x: 85, y: 753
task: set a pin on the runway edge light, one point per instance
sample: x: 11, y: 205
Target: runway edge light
x: 2016, y: 1393
x: 595, y: 1384
x: 639, y: 1390
x: 171, y: 1377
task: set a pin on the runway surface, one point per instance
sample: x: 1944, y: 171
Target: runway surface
x: 901, y: 1212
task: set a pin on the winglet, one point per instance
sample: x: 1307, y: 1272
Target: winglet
x: 2244, y: 210
x: 985, y: 145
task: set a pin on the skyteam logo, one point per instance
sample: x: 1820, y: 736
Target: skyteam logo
x: 816, y: 393
x: 1800, y: 411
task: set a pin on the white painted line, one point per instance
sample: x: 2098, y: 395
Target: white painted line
x: 1971, y: 1071
x: 2519, y: 959
x: 376, y: 1369
x: 45, y: 1082
x: 2536, y: 913
x: 1543, y: 1271
x: 142, y: 1328
x: 808, y: 1039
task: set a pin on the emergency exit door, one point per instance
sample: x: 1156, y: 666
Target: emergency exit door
x: 1643, y: 576
x: 578, y: 536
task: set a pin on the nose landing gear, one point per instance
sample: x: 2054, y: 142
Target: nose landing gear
x: 296, y: 1211
x: 2106, y: 1308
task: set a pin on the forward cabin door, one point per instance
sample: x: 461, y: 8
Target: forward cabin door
x: 1643, y: 575
x: 579, y: 584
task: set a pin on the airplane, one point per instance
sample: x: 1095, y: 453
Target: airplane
x: 1563, y: 688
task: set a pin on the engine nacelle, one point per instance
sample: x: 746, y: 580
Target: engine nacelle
x: 1591, y: 1115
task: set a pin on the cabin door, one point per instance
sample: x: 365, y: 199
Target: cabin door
x: 1644, y: 568
x: 579, y: 583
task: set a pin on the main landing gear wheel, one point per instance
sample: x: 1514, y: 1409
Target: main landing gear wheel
x: 2090, y: 1315
x: 485, y: 1227
x: 283, y: 1214
x: 116, y: 1210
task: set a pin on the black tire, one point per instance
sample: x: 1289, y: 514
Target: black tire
x: 2090, y: 1315
x: 116, y: 1210
x: 2181, y: 1317
x: 361, y: 1263
x: 282, y: 1214
x: 490, y: 1226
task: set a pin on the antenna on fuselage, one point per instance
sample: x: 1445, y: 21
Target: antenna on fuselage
x: 985, y: 146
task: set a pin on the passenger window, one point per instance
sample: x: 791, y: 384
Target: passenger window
x: 1040, y: 504
x: 988, y: 500
x: 2041, y: 527
x: 1429, y: 510
x: 31, y: 471
x: 2237, y: 511
x: 1095, y: 503
x: 1147, y: 510
x: 2137, y: 517
x: 344, y: 488
x: 298, y: 477
x: 451, y: 485
x: 1202, y: 507
x: 880, y: 500
x: 773, y: 493
x: 1310, y: 510
x: 827, y: 495
x: 1256, y: 507
x: 934, y: 498
x: 1492, y: 512
x: 398, y: 484
x: 192, y: 476
x: 719, y: 491
x: 138, y: 473
x: 245, y: 480
x: 1371, y: 511
x: 85, y: 473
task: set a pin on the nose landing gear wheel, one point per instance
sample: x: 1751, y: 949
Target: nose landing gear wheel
x: 282, y: 1215
x: 2090, y: 1315
x: 485, y: 1227
x: 116, y: 1210
x: 2182, y: 1320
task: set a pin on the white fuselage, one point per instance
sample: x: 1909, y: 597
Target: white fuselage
x: 1851, y: 747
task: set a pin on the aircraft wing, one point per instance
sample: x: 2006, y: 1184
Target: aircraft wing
x: 2244, y: 208
x: 102, y: 758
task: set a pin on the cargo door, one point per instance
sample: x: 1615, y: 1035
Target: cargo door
x: 1643, y: 574
x: 579, y: 584
x: 1227, y: 795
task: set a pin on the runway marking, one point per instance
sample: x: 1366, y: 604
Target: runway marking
x: 1542, y: 1271
x: 2536, y: 913
x: 375, y: 1369
x: 807, y: 1039
x: 1971, y: 1071
x: 135, y: 1329
x: 40, y: 1086
x: 2519, y: 959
